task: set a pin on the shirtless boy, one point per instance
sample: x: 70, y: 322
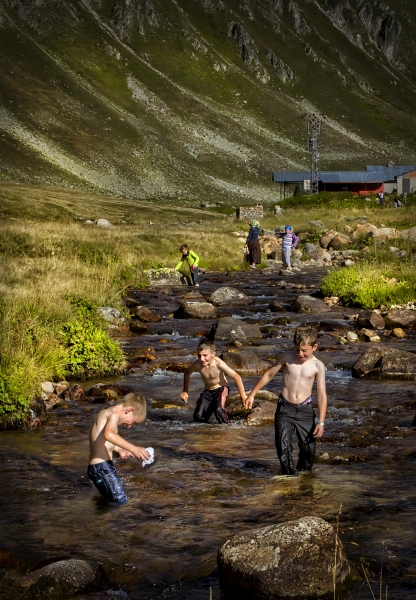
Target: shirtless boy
x: 294, y: 414
x: 104, y: 439
x: 213, y: 371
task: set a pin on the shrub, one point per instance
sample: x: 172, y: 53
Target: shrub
x: 91, y: 352
x: 369, y: 286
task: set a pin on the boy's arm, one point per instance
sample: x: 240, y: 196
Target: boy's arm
x: 231, y: 373
x: 112, y: 436
x: 322, y: 399
x: 264, y: 380
x: 191, y: 369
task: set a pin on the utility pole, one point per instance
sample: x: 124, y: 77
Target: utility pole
x: 314, y: 146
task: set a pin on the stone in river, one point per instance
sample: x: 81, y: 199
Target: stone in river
x: 385, y: 363
x: 290, y: 560
x: 228, y: 296
x: 306, y: 304
x: 228, y: 328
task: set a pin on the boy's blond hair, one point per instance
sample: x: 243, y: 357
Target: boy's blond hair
x: 136, y: 401
x: 305, y: 334
x: 205, y: 344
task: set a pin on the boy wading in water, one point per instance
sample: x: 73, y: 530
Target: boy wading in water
x: 104, y: 439
x: 294, y: 414
x: 213, y: 371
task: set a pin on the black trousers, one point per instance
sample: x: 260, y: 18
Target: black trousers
x: 208, y: 403
x: 291, y: 419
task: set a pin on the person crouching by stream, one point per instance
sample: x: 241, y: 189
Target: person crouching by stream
x: 294, y: 413
x: 289, y: 241
x: 213, y: 371
x: 188, y: 265
x: 105, y: 439
x: 253, y: 244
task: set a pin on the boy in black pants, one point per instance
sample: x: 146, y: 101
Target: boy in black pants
x: 213, y: 371
x: 294, y: 414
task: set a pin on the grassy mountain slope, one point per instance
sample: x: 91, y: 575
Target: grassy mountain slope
x: 200, y: 100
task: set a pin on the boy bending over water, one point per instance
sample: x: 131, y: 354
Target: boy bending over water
x: 294, y: 414
x: 104, y: 439
x: 213, y: 371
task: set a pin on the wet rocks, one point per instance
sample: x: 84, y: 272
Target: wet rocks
x: 65, y: 577
x: 293, y: 559
x: 334, y: 325
x: 229, y: 296
x: 245, y: 362
x: 263, y: 412
x: 370, y: 319
x: 228, y: 328
x: 193, y: 309
x: 276, y: 306
x: 137, y: 327
x: 307, y: 304
x: 385, y: 363
x: 74, y: 393
x: 406, y: 319
x: 146, y: 314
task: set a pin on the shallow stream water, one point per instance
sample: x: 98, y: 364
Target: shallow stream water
x: 210, y: 482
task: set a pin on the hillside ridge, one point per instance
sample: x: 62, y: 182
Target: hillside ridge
x: 201, y: 100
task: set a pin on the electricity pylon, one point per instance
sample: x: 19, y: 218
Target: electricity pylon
x: 314, y: 146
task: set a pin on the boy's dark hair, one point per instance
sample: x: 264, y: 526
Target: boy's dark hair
x: 205, y: 344
x: 184, y: 247
x: 305, y: 334
x: 136, y: 401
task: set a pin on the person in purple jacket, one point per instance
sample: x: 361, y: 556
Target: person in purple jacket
x: 289, y: 241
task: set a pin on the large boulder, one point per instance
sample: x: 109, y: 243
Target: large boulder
x: 317, y: 253
x: 385, y: 363
x: 340, y: 241
x: 69, y: 576
x: 229, y: 296
x: 370, y: 319
x: 194, y: 309
x: 290, y: 560
x: 409, y: 234
x: 363, y: 230
x: 306, y: 304
x: 163, y: 277
x: 326, y: 238
x: 229, y: 328
x: 383, y: 234
x: 246, y: 362
x: 401, y: 317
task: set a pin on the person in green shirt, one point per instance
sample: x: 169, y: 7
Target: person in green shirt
x: 188, y: 265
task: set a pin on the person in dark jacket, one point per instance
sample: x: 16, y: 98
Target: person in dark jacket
x: 253, y: 244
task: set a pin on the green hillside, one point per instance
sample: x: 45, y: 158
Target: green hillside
x: 200, y: 100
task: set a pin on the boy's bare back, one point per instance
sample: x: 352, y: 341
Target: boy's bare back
x: 104, y: 437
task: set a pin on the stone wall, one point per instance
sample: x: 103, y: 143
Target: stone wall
x: 246, y: 213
